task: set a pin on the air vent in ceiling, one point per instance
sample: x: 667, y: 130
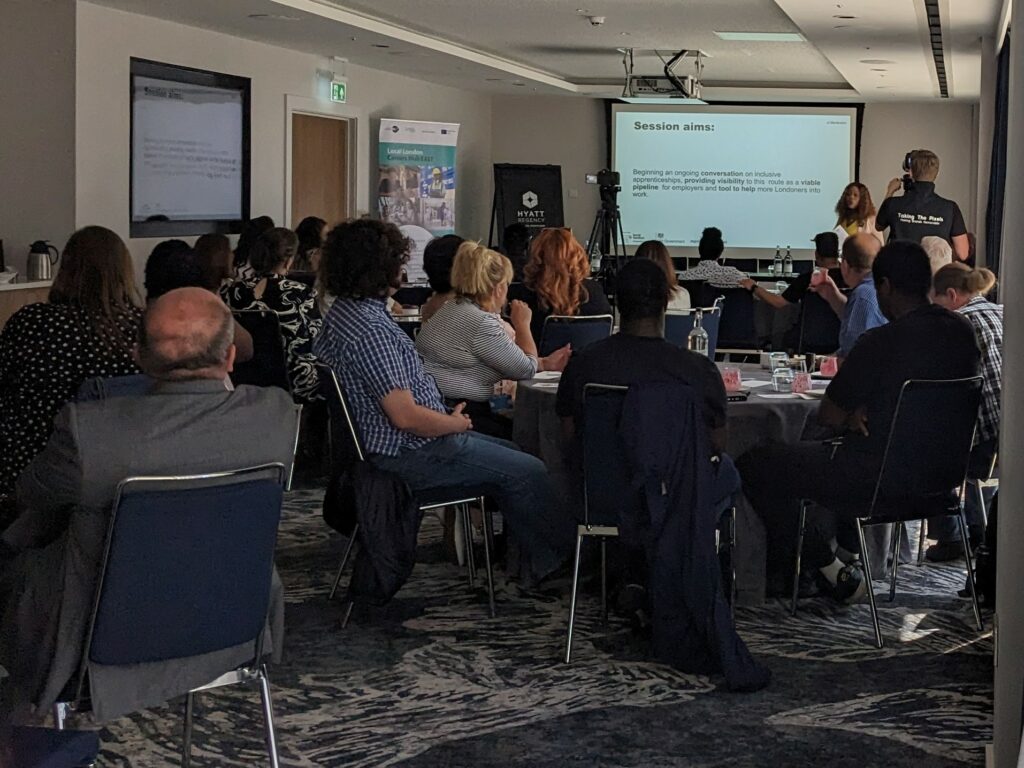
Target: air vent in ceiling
x: 931, y: 8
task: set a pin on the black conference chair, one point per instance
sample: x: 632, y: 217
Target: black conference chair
x: 607, y: 490
x: 268, y: 366
x: 34, y: 747
x: 413, y: 295
x: 737, y: 330
x: 702, y: 293
x: 346, y: 442
x: 818, y: 326
x: 186, y: 571
x: 581, y: 331
x: 679, y: 324
x: 926, y: 458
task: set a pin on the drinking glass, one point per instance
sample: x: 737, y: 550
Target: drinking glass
x: 732, y: 378
x: 778, y: 360
x: 782, y: 380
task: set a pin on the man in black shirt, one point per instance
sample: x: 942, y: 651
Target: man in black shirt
x: 639, y: 353
x: 920, y: 212
x: 920, y: 341
x: 826, y: 256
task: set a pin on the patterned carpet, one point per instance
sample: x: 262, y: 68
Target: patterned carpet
x: 432, y: 681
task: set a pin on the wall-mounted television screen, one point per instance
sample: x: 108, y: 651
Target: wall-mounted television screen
x: 189, y: 151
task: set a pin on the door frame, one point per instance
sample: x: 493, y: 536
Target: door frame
x: 358, y: 150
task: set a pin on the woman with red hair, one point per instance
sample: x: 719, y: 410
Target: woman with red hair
x: 557, y: 275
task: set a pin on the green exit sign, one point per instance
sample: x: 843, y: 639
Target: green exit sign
x: 339, y: 91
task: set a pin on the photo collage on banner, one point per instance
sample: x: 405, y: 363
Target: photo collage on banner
x: 416, y: 188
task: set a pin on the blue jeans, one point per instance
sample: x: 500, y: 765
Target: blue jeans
x: 517, y: 481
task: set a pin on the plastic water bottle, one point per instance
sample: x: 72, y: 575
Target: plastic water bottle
x: 697, y: 339
x: 777, y: 263
x: 787, y: 268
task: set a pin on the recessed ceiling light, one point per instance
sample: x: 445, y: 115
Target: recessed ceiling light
x: 876, y: 61
x: 495, y: 80
x: 624, y: 34
x: 884, y: 87
x: 763, y: 37
x: 379, y: 45
x: 273, y: 17
x: 518, y: 83
x: 877, y: 69
x: 841, y: 26
x: 843, y: 16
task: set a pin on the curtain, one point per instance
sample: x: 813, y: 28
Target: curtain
x: 997, y: 175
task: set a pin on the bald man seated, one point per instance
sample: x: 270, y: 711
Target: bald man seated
x: 186, y: 420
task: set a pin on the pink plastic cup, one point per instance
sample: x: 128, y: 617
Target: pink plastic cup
x: 818, y: 276
x: 732, y: 379
x: 829, y: 367
x: 801, y: 382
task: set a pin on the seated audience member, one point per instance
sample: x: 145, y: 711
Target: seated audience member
x: 639, y: 353
x: 187, y: 423
x: 710, y: 269
x: 557, y: 280
x: 855, y: 212
x: 246, y: 240
x: 920, y: 341
x: 311, y: 233
x: 961, y: 289
x: 47, y: 350
x: 826, y: 257
x: 515, y: 243
x: 437, y: 263
x: 214, y: 251
x: 859, y: 311
x: 173, y: 264
x: 465, y: 346
x: 294, y: 303
x: 655, y: 250
x: 401, y: 417
x: 940, y: 253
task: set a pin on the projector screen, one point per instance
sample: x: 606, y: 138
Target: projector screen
x: 765, y: 176
x: 190, y: 150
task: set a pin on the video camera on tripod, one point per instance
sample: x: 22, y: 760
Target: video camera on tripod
x: 606, y: 246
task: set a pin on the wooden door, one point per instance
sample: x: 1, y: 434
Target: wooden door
x: 320, y: 160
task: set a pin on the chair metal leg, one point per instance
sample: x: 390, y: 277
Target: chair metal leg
x: 895, y: 535
x: 186, y: 741
x: 922, y: 541
x: 268, y: 716
x: 981, y: 503
x: 969, y: 557
x: 60, y: 715
x: 467, y: 534
x: 572, y: 600
x: 485, y: 518
x: 799, y: 553
x: 344, y: 561
x: 732, y: 561
x: 604, y: 579
x: 871, y: 586
x: 348, y: 614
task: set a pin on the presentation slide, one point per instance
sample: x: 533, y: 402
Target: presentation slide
x: 187, y: 155
x: 765, y: 176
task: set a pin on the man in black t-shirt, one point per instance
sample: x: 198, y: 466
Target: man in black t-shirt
x: 639, y: 353
x: 921, y: 341
x: 920, y: 212
x: 826, y: 256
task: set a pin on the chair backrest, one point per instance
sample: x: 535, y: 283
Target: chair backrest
x: 268, y: 366
x: 581, y: 331
x: 187, y: 566
x: 413, y: 295
x: 930, y: 439
x: 736, y: 329
x: 606, y: 483
x: 345, y: 439
x: 819, y: 326
x: 679, y: 324
x: 702, y: 293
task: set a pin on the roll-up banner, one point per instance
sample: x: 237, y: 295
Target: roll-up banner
x: 526, y: 194
x: 416, y: 189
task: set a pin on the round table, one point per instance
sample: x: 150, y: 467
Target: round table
x: 760, y: 419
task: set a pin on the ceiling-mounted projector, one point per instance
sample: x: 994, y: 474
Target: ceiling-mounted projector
x: 668, y: 84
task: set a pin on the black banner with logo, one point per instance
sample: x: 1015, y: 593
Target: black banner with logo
x: 526, y: 194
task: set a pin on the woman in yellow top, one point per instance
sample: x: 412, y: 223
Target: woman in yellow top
x: 856, y: 212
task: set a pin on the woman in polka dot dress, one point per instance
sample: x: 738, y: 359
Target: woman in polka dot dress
x: 47, y: 350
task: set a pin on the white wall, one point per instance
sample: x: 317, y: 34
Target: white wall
x: 948, y: 129
x: 37, y: 130
x: 572, y: 132
x: 561, y: 130
x: 108, y: 38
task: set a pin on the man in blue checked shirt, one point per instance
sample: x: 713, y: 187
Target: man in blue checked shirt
x: 399, y: 412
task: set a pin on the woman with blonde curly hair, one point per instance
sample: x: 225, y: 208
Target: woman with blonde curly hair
x: 468, y: 348
x: 558, y: 276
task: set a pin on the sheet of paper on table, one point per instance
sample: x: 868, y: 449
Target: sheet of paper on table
x: 548, y: 375
x: 546, y: 385
x: 755, y: 383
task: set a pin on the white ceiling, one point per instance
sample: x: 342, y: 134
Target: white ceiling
x: 548, y: 46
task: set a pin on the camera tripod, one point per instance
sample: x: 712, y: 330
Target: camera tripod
x: 607, y: 238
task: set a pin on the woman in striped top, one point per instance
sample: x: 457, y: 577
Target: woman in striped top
x: 467, y: 347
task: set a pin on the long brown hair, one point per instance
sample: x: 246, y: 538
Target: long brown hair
x: 556, y: 270
x: 96, y: 275
x: 655, y: 250
x: 865, y: 209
